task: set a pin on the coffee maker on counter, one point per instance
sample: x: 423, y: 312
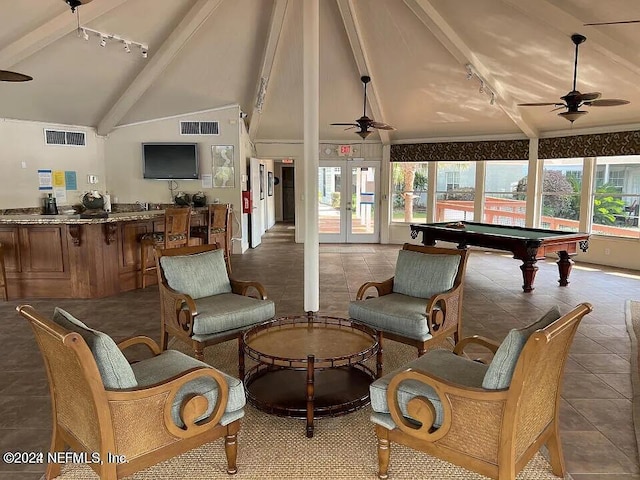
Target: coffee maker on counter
x: 50, y: 207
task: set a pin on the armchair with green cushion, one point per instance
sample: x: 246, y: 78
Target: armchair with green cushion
x: 201, y: 305
x: 421, y: 305
x: 144, y: 412
x: 488, y: 418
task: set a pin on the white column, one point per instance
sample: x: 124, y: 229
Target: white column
x: 311, y: 89
x: 478, y: 201
x: 534, y: 185
x: 586, y: 200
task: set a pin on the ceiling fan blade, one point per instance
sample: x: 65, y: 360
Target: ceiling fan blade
x: 607, y: 102
x: 543, y: 104
x: 381, y: 126
x: 559, y: 107
x: 7, y: 76
x: 351, y: 127
x: 345, y: 124
x: 587, y: 97
x: 611, y: 23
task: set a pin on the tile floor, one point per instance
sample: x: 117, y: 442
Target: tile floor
x: 597, y: 429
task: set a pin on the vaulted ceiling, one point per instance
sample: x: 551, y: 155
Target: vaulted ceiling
x: 210, y: 53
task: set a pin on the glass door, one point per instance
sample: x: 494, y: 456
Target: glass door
x: 348, y: 202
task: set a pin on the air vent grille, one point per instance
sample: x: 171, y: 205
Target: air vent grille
x: 62, y: 137
x: 199, y: 128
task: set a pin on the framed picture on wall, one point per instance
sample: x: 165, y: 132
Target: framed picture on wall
x: 270, y: 184
x: 222, y: 166
x: 261, y: 182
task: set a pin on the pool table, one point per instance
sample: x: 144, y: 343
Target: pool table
x: 526, y: 244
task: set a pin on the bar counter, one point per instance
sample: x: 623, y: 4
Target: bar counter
x: 66, y: 256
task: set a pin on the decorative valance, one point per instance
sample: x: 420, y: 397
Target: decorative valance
x: 595, y: 145
x: 461, y: 151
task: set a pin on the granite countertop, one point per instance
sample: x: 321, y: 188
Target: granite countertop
x: 37, y: 219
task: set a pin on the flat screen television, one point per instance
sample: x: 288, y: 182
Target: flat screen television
x: 170, y: 161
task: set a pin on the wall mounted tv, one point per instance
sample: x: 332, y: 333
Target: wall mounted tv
x: 170, y: 161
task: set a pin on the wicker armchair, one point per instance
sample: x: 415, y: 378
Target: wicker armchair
x: 200, y: 305
x: 421, y: 305
x: 487, y: 418
x: 144, y: 413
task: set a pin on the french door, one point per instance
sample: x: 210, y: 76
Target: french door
x: 348, y: 201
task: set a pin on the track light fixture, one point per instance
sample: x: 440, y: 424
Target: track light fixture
x: 104, y: 37
x: 484, y: 86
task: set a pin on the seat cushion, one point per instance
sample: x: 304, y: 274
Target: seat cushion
x: 394, y: 313
x: 230, y: 311
x: 506, y: 357
x: 113, y: 366
x: 170, y: 363
x: 158, y: 237
x: 199, y: 275
x: 439, y: 362
x: 424, y: 274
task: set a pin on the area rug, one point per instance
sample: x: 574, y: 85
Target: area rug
x: 271, y: 447
x: 632, y: 316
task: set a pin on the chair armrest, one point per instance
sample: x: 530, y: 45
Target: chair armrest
x: 488, y: 343
x: 144, y: 400
x: 242, y: 287
x: 384, y: 288
x: 421, y: 409
x: 177, y: 309
x: 443, y: 310
x: 140, y: 340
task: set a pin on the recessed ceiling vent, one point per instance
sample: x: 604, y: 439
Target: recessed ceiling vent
x: 199, y: 128
x: 62, y: 137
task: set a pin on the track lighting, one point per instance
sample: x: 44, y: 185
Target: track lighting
x: 484, y: 86
x: 104, y: 37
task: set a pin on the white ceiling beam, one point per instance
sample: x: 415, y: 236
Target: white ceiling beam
x: 568, y: 24
x: 445, y: 34
x: 53, y: 30
x: 359, y: 49
x: 157, y: 63
x: 268, y: 57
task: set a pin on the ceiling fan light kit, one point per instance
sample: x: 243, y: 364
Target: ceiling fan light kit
x: 573, y: 100
x: 364, y: 123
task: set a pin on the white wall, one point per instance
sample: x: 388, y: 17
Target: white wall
x: 123, y: 157
x: 23, y: 141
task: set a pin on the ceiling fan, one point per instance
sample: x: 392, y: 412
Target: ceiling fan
x: 7, y: 76
x: 574, y: 99
x: 364, y: 123
x: 76, y: 3
x: 611, y: 23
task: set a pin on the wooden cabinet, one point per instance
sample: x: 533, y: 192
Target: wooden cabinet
x: 76, y: 260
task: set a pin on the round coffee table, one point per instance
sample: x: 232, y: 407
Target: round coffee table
x: 309, y: 366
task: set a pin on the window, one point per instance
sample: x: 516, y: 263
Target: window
x: 505, y: 196
x: 409, y: 191
x: 455, y: 191
x: 561, y: 194
x: 616, y: 196
x: 452, y: 180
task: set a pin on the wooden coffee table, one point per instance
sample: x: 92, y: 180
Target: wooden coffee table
x: 309, y: 366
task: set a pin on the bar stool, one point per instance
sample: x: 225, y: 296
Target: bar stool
x: 3, y: 275
x: 176, y: 233
x: 217, y: 230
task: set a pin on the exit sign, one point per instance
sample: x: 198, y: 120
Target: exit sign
x: 344, y: 150
x: 287, y: 160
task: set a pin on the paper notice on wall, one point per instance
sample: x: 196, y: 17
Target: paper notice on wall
x: 44, y: 180
x: 207, y: 180
x: 57, y: 178
x: 70, y: 180
x: 61, y: 195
